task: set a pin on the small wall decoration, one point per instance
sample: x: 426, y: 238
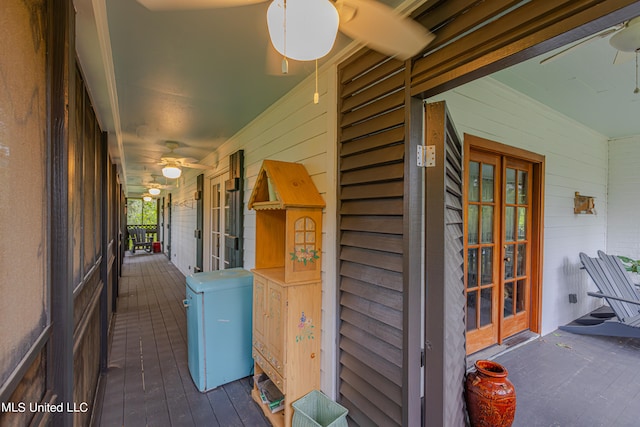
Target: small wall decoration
x: 583, y: 204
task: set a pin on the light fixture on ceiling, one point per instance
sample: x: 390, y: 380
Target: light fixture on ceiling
x: 627, y: 38
x: 154, y: 191
x: 146, y: 198
x: 171, y: 170
x: 303, y: 30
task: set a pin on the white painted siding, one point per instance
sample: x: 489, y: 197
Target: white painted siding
x: 183, y: 222
x: 624, y: 197
x: 576, y: 160
x: 295, y: 130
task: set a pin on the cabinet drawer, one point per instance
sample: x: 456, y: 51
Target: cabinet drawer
x: 260, y: 346
x: 269, y: 370
x: 268, y: 356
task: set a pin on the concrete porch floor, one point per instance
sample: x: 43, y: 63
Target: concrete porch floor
x: 569, y: 380
x: 561, y: 379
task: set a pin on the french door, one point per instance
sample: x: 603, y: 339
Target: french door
x: 501, y: 245
x: 218, y: 217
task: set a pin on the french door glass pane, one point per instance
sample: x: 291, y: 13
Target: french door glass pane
x: 472, y: 309
x: 522, y: 223
x: 521, y: 266
x: 508, y: 261
x: 487, y: 183
x: 472, y: 224
x: 486, y: 266
x: 227, y: 217
x: 509, y: 223
x: 485, y: 306
x: 508, y: 299
x: 472, y: 268
x: 510, y: 186
x: 215, y: 220
x: 216, y: 196
x: 487, y: 224
x: 522, y: 187
x: 474, y: 178
x: 520, y: 295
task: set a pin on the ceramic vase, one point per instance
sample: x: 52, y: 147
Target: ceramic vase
x: 490, y: 396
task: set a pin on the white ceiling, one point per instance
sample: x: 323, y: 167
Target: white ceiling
x: 583, y: 84
x: 199, y: 76
x: 191, y: 76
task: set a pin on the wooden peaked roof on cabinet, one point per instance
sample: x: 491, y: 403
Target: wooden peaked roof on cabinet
x: 291, y: 187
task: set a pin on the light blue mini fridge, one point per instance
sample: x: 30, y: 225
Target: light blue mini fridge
x: 219, y: 310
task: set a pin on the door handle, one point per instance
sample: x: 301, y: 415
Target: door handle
x: 507, y: 259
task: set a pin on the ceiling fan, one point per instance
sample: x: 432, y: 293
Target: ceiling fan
x: 367, y: 21
x: 625, y: 38
x: 173, y: 164
x: 153, y: 187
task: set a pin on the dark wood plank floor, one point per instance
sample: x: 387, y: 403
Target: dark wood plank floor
x: 148, y: 381
x: 570, y: 380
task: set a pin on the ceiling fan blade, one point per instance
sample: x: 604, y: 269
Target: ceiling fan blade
x: 379, y: 27
x: 195, y: 166
x: 593, y: 38
x: 622, y: 57
x: 157, y: 5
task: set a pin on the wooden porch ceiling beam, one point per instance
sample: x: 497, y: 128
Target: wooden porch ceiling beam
x: 456, y: 18
x: 514, y: 38
x: 515, y: 25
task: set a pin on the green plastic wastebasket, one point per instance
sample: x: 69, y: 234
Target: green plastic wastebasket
x: 315, y: 409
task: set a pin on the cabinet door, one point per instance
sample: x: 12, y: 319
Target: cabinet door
x: 276, y: 301
x: 259, y: 312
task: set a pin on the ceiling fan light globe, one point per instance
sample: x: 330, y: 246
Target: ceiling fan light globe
x: 154, y: 191
x: 146, y: 198
x: 311, y: 28
x: 628, y: 39
x: 172, y: 172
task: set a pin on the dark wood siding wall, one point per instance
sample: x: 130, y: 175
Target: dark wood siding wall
x: 377, y: 195
x: 86, y: 188
x: 371, y: 189
x: 445, y: 302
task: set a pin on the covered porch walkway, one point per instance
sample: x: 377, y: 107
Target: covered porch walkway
x: 561, y: 379
x: 148, y: 381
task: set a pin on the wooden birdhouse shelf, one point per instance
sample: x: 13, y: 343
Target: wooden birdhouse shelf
x: 287, y: 289
x: 288, y: 221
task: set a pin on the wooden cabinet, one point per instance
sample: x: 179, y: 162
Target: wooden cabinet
x: 287, y: 287
x: 269, y: 314
x: 288, y: 347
